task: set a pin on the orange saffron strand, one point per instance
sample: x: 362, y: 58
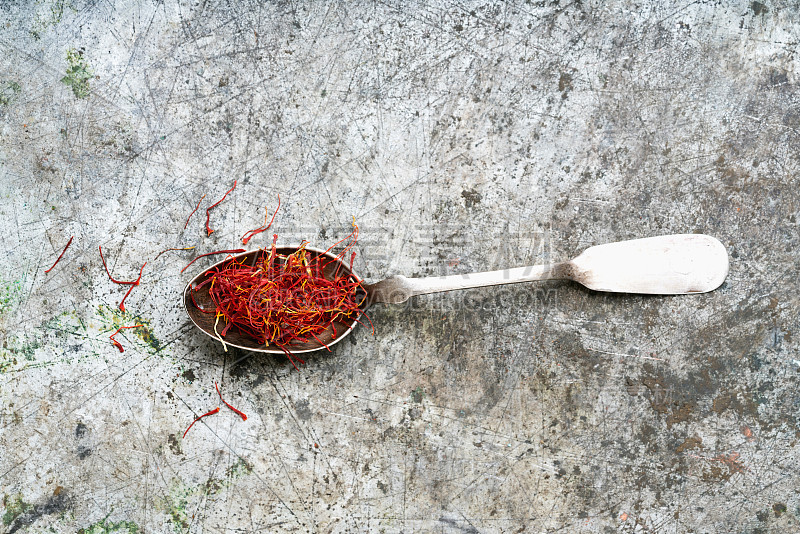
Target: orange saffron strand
x: 134, y: 284
x: 242, y: 415
x: 208, y: 209
x: 195, y: 209
x: 252, y: 233
x: 122, y: 282
x: 62, y: 253
x: 212, y: 412
x: 117, y: 343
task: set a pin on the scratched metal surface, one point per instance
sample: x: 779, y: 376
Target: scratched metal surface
x: 460, y: 136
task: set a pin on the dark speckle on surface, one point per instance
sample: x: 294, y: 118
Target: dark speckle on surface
x: 175, y: 444
x: 759, y: 8
x: 83, y: 451
x: 80, y: 430
x: 54, y: 505
x: 471, y: 197
x: 303, y: 410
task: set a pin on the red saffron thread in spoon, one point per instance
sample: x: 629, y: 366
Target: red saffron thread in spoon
x: 285, y: 300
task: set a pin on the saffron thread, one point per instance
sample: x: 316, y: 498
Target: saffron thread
x: 122, y: 282
x: 134, y: 284
x: 60, y: 255
x: 117, y: 343
x: 212, y: 412
x: 208, y: 209
x: 242, y: 415
x: 219, y: 337
x: 195, y: 209
x: 249, y: 235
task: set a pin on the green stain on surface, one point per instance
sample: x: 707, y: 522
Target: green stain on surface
x: 28, y: 350
x: 10, y: 295
x: 114, y: 318
x: 78, y: 73
x: 213, y: 486
x: 15, y: 507
x: 174, y: 505
x: 181, y: 496
x: 7, y: 361
x: 107, y: 527
x: 47, y: 16
x: 68, y: 338
x: 19, y: 349
x: 240, y: 468
x: 8, y: 92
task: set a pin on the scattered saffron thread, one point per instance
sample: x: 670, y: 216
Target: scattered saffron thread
x: 60, y: 255
x: 122, y: 282
x: 117, y: 343
x: 235, y: 251
x: 212, y: 412
x: 242, y: 415
x: 167, y: 250
x: 208, y: 209
x: 195, y: 209
x: 249, y: 235
x: 109, y: 273
x: 136, y: 283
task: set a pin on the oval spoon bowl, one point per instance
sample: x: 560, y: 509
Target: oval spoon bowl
x: 205, y: 320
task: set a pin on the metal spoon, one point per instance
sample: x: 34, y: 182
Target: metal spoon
x: 665, y: 265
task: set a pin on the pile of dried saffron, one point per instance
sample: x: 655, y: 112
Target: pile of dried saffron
x: 285, y: 300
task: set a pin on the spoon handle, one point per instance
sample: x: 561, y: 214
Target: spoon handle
x: 677, y: 264
x: 397, y: 289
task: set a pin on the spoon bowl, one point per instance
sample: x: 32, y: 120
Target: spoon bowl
x: 200, y: 307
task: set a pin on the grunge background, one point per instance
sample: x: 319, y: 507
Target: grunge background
x: 460, y: 136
